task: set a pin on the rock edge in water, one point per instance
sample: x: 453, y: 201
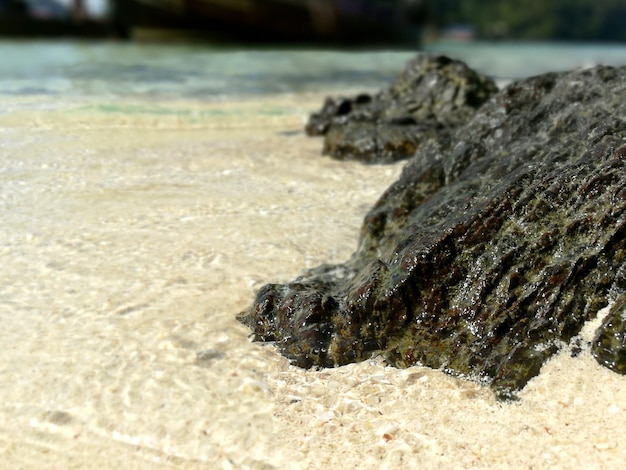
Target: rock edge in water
x: 490, y: 251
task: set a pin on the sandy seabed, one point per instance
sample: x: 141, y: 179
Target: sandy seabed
x: 132, y: 235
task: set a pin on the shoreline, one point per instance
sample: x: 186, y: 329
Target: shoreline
x: 130, y: 245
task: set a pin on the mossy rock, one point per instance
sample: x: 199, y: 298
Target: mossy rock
x: 491, y: 250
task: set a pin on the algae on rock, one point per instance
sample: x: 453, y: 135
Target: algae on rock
x: 489, y: 252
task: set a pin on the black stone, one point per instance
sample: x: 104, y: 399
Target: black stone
x: 429, y: 99
x: 489, y: 253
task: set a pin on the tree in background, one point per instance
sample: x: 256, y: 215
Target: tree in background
x: 588, y: 20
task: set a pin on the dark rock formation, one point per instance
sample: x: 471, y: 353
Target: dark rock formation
x: 609, y: 346
x: 487, y: 255
x: 429, y: 99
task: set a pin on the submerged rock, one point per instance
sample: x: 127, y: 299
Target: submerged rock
x: 488, y: 254
x: 429, y: 99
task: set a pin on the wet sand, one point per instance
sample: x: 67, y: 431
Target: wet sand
x: 134, y: 232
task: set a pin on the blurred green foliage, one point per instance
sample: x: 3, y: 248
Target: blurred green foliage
x: 588, y: 20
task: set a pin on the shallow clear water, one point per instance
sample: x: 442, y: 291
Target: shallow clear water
x: 146, y: 193
x: 204, y: 73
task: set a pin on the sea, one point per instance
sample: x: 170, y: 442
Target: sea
x: 147, y: 191
x: 202, y: 72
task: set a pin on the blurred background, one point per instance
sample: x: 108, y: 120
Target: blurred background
x: 206, y: 50
x: 367, y: 23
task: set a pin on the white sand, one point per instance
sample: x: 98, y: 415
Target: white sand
x: 133, y: 233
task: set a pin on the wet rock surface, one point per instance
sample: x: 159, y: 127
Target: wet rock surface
x: 489, y: 252
x: 430, y: 98
x: 609, y: 345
